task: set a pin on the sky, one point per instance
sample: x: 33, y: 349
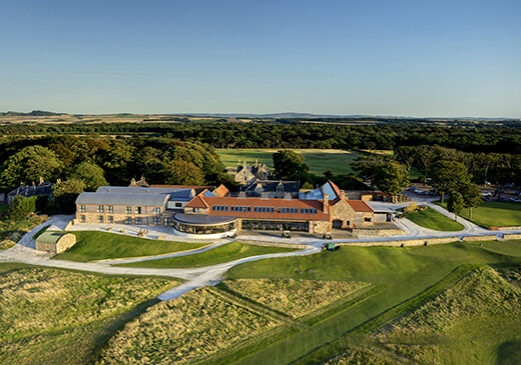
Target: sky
x: 404, y: 58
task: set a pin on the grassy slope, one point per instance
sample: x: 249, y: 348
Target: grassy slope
x: 94, y: 245
x: 50, y: 316
x: 319, y: 161
x: 494, y: 214
x: 229, y: 252
x: 475, y: 321
x: 405, y: 272
x: 429, y: 218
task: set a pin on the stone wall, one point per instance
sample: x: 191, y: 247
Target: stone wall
x: 489, y: 237
x: 406, y: 243
x: 512, y: 236
x: 65, y: 242
x: 273, y: 244
x: 319, y: 226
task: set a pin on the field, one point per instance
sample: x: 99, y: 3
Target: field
x: 430, y: 218
x: 229, y: 252
x: 494, y: 214
x: 406, y: 278
x: 50, y: 316
x: 95, y: 245
x: 318, y: 161
x: 475, y: 321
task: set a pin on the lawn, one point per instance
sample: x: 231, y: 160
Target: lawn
x: 430, y: 218
x: 318, y: 161
x: 229, y: 252
x: 95, y: 245
x: 51, y: 316
x: 494, y: 214
x: 409, y: 278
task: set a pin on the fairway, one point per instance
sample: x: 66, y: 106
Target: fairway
x: 318, y: 161
x: 494, y: 214
x: 407, y: 278
x: 228, y: 252
x: 95, y: 245
x: 430, y: 218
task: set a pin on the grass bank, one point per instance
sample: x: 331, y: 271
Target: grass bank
x: 431, y: 219
x: 494, y: 214
x: 229, y: 252
x: 95, y: 245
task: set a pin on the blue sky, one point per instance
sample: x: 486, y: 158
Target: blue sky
x: 411, y: 58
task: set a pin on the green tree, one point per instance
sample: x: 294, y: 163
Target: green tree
x: 289, y: 165
x: 21, y: 207
x: 448, y: 176
x: 28, y: 165
x: 471, y: 195
x: 181, y: 172
x: 65, y: 194
x: 91, y: 174
x: 455, y: 203
x: 391, y: 177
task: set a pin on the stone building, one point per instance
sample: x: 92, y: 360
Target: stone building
x: 245, y: 174
x: 55, y: 242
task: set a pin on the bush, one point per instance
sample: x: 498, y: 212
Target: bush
x: 410, y: 208
x: 22, y: 207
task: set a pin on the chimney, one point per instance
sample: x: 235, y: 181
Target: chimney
x: 242, y: 194
x: 41, y: 181
x: 342, y: 195
x: 287, y: 196
x: 265, y: 195
x: 326, y: 203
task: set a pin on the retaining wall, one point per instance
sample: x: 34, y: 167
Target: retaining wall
x: 273, y: 244
x: 412, y: 242
x: 512, y: 236
x: 489, y: 237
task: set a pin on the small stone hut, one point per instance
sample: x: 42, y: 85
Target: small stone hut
x: 55, y: 242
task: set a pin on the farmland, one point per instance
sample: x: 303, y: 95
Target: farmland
x: 318, y: 161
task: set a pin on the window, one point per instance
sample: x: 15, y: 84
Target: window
x: 157, y: 221
x: 82, y: 208
x: 100, y: 219
x: 110, y: 219
x: 178, y: 205
x: 220, y: 208
x: 166, y: 221
x: 157, y: 211
x: 367, y: 219
x: 100, y: 209
x: 83, y: 219
x: 128, y: 210
x: 138, y: 210
x: 288, y: 210
x: 110, y: 209
x: 308, y: 211
x: 263, y: 209
x: 138, y: 220
x: 128, y: 220
x: 235, y: 208
x: 195, y: 210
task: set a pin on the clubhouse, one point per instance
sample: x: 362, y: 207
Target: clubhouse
x: 211, y: 212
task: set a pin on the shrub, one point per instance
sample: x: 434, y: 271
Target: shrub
x: 410, y: 208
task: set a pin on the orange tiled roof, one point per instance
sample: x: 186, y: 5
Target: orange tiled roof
x: 197, y: 202
x: 221, y: 191
x: 359, y: 205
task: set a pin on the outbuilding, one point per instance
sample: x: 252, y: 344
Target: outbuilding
x: 55, y: 242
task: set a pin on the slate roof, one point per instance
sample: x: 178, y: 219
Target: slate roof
x: 135, y: 199
x: 178, y: 194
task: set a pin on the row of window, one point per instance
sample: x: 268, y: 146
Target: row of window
x: 128, y: 220
x: 233, y: 208
x: 110, y: 209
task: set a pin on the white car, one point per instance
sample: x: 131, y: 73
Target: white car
x: 486, y: 193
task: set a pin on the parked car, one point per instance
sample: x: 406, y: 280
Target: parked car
x: 486, y: 193
x: 516, y: 199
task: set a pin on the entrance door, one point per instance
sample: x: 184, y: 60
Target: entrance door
x: 337, y: 223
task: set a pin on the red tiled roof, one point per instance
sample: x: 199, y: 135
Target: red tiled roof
x: 221, y: 191
x: 259, y: 202
x: 359, y: 206
x: 197, y: 202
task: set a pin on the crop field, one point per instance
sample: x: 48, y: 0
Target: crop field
x: 318, y: 161
x: 229, y: 252
x: 494, y: 214
x: 95, y: 245
x: 50, y: 316
x: 432, y: 219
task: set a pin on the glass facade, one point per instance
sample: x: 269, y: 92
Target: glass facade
x: 261, y: 225
x: 204, y: 229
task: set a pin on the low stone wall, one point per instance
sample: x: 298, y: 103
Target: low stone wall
x: 512, y: 236
x: 512, y: 228
x: 377, y: 232
x: 404, y: 242
x: 489, y: 237
x: 273, y: 244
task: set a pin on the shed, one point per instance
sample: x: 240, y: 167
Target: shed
x: 55, y: 242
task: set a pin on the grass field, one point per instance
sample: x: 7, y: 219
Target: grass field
x: 494, y: 214
x: 318, y: 161
x: 229, y: 252
x: 50, y: 316
x: 186, y: 329
x: 409, y: 278
x: 475, y: 321
x: 430, y: 218
x: 95, y: 245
